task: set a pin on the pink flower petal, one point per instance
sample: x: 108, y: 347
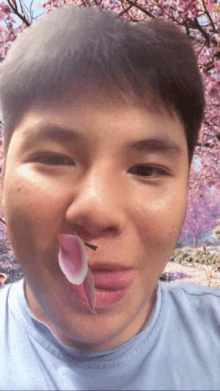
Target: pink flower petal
x: 72, y: 258
x: 73, y: 263
x: 2, y: 16
x: 210, y: 6
x: 89, y: 290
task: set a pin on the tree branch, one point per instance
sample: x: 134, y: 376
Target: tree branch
x: 125, y: 10
x: 15, y: 9
x: 25, y: 9
x: 202, y: 31
x: 97, y: 3
x: 209, y: 16
x: 193, y: 24
x: 38, y: 16
x: 141, y: 9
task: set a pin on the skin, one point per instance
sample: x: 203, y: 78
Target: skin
x: 97, y: 192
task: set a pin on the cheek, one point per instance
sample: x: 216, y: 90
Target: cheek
x: 33, y: 215
x: 161, y: 218
x: 35, y: 196
x: 172, y: 210
x: 158, y: 228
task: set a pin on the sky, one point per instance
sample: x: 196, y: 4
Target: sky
x: 37, y: 11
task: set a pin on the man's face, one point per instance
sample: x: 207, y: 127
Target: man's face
x: 85, y: 170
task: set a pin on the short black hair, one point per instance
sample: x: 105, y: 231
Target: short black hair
x: 92, y: 53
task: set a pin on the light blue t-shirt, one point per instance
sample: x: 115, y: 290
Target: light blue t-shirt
x: 179, y: 349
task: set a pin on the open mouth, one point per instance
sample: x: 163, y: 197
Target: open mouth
x: 103, y: 295
x: 112, y: 286
x: 98, y: 283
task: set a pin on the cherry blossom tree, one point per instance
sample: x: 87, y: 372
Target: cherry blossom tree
x: 202, y: 216
x: 200, y: 20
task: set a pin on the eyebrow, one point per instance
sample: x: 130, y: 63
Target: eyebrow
x: 160, y: 144
x: 52, y: 132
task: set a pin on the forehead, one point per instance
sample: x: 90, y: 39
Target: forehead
x: 98, y: 99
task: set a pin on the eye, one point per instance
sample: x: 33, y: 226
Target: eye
x: 148, y: 171
x: 54, y: 160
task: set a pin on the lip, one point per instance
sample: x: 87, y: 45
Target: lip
x: 113, y: 280
x: 107, y: 266
x: 105, y: 297
x: 110, y: 286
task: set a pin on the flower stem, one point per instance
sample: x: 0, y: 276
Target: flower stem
x: 90, y: 246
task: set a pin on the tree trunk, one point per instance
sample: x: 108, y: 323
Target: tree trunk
x: 194, y: 241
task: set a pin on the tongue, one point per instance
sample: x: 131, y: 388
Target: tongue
x: 73, y: 263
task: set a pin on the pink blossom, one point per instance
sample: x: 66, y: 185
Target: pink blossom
x: 214, y: 89
x: 5, y: 8
x: 2, y: 15
x: 210, y: 5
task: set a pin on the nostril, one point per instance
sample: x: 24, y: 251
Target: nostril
x: 87, y: 244
x: 110, y: 229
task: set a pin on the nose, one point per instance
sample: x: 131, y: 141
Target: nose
x: 98, y: 204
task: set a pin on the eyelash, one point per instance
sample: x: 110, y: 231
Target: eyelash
x: 160, y: 171
x: 64, y: 159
